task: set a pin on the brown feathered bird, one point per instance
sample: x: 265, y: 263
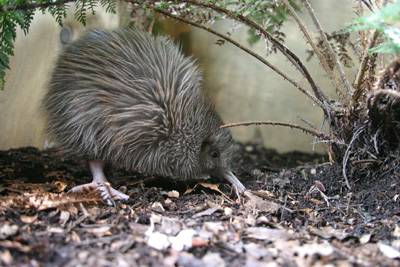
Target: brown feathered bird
x: 135, y: 101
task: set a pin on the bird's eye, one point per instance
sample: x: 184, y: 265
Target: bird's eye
x: 215, y: 154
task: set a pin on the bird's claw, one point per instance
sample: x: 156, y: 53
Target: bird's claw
x: 106, y: 192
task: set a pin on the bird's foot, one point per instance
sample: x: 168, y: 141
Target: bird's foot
x: 107, y: 193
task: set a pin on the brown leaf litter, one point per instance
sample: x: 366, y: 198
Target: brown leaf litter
x: 299, y: 216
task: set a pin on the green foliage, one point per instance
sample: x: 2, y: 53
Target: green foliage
x: 58, y: 12
x: 8, y: 24
x: 270, y: 14
x: 109, y: 5
x: 81, y: 10
x: 387, y: 22
x: 19, y: 13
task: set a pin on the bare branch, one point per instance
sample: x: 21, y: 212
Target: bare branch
x: 347, y: 154
x: 285, y: 51
x: 309, y: 39
x: 281, y: 47
x: 321, y: 57
x: 363, y: 67
x: 345, y: 82
x: 284, y: 124
x: 245, y: 49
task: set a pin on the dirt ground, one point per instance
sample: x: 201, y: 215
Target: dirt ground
x: 297, y: 212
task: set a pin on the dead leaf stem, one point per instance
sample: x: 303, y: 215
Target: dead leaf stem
x: 344, y: 81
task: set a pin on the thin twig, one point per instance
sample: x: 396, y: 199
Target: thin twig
x: 363, y: 67
x: 281, y: 47
x: 345, y: 82
x: 285, y: 51
x: 310, y: 40
x: 312, y: 126
x: 375, y: 140
x: 284, y: 124
x: 245, y: 49
x: 363, y: 161
x: 347, y: 155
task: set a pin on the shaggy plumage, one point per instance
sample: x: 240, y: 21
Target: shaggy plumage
x: 133, y: 100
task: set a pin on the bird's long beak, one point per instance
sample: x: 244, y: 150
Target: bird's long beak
x: 228, y: 175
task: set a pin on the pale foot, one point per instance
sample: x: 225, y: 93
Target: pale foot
x: 107, y: 193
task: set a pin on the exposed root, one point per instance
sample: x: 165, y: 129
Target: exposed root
x: 372, y: 131
x: 347, y: 154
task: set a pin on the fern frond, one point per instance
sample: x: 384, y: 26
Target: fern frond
x: 109, y: 5
x: 81, y: 10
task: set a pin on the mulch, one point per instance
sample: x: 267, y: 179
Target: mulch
x: 297, y: 212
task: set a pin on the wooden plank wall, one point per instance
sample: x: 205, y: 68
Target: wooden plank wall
x: 22, y: 121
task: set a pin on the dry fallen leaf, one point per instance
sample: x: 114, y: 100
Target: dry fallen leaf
x: 213, y: 260
x: 158, y: 241
x: 28, y: 219
x: 396, y: 231
x: 7, y: 230
x: 214, y: 227
x: 6, y: 258
x: 364, y: 239
x: 199, y: 242
x: 59, y: 186
x: 263, y: 233
x: 100, y: 231
x: 329, y: 232
x: 213, y: 187
x: 55, y: 230
x: 256, y: 251
x: 64, y: 217
x: 256, y: 202
x: 15, y: 245
x: 170, y: 226
x: 158, y: 207
x: 388, y: 251
x: 206, y: 212
x: 189, y: 190
x: 183, y: 240
x: 263, y: 193
x: 75, y: 237
x: 309, y: 250
x: 40, y: 200
x: 228, y: 211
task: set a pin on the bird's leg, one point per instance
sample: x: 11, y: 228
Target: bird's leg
x: 100, y: 183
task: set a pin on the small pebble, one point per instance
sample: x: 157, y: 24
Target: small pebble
x: 249, y: 148
x: 228, y: 211
x: 173, y: 194
x: 157, y: 206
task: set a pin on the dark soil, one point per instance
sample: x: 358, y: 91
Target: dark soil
x: 299, y: 213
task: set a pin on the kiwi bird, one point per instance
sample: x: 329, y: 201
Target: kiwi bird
x: 133, y: 100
